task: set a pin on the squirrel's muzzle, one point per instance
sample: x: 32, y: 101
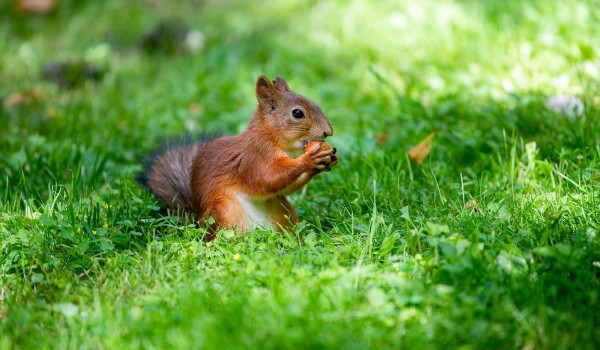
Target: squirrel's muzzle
x: 328, y: 130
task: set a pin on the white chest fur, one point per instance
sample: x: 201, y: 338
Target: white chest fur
x: 256, y: 212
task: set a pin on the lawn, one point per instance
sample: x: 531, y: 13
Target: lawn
x: 492, y: 242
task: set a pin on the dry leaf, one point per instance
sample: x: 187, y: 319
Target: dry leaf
x: 36, y: 6
x: 420, y: 151
x: 473, y: 205
x: 22, y: 98
x: 381, y: 138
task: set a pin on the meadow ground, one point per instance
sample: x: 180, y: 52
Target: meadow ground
x: 493, y: 242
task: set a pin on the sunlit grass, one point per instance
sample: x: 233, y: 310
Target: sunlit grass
x: 491, y: 243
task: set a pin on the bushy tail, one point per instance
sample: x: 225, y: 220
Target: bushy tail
x: 167, y: 173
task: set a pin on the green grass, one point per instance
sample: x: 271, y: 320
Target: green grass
x: 492, y: 243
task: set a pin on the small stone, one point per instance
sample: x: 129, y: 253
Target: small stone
x: 569, y: 105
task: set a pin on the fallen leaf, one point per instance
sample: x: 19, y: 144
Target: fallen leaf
x: 421, y: 150
x: 473, y: 205
x: 36, y: 6
x: 381, y: 138
x: 22, y: 98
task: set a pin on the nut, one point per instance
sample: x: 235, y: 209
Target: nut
x: 314, y: 144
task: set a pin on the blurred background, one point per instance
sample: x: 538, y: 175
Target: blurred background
x: 95, y: 84
x: 491, y: 242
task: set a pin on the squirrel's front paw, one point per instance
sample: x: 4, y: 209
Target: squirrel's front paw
x: 334, y: 160
x: 320, y: 156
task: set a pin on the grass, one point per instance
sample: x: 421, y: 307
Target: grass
x: 491, y: 243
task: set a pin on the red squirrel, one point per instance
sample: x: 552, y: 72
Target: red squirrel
x: 241, y: 181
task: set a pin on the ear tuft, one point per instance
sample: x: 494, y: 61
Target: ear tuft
x: 266, y: 93
x: 281, y: 84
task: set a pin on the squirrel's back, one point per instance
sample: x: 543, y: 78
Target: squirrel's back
x: 166, y: 172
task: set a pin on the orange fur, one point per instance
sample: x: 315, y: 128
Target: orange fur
x: 240, y: 181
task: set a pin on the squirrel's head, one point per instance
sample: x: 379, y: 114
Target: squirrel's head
x: 294, y: 119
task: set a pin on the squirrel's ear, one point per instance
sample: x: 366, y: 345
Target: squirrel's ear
x: 281, y: 84
x: 266, y: 93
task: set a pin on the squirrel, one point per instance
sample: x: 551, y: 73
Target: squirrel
x: 241, y: 181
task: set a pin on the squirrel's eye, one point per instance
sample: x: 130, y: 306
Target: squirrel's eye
x: 296, y: 113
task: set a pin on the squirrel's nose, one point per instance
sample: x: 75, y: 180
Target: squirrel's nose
x: 328, y: 131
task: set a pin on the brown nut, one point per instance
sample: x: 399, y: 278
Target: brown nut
x: 314, y: 144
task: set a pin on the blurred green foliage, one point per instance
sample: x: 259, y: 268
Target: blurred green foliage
x: 491, y: 243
